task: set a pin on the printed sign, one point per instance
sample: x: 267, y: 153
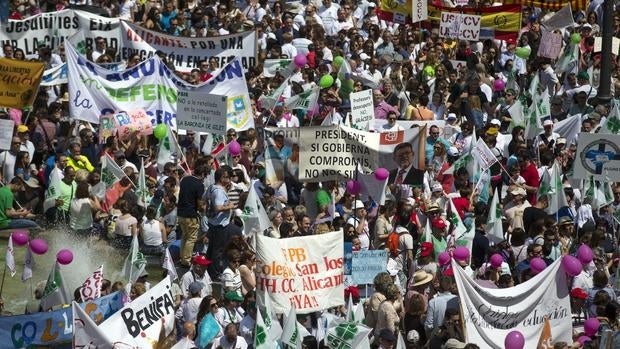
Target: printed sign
x: 615, y: 45
x: 19, y: 82
x: 367, y: 264
x: 550, y: 44
x: 305, y: 272
x: 362, y: 110
x: 202, y: 112
x: 419, y: 11
x: 6, y: 128
x: 598, y: 157
x: 459, y: 26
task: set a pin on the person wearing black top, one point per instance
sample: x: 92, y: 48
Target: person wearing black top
x: 190, y: 205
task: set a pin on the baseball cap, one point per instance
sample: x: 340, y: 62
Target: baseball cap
x: 578, y: 293
x: 496, y: 122
x: 564, y: 220
x: 426, y: 249
x: 453, y: 151
x: 518, y: 191
x: 561, y: 141
x: 387, y: 335
x: 583, y: 75
x: 233, y: 296
x: 201, y: 260
x: 437, y: 187
x: 22, y: 128
x: 358, y: 204
x: 548, y: 122
x: 586, y: 26
x: 451, y: 116
x: 433, y: 208
x: 492, y: 131
x: 438, y: 223
x: 195, y: 287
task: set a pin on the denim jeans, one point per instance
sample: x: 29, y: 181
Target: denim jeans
x: 16, y: 223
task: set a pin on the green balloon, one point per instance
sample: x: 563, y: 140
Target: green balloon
x: 523, y: 52
x: 338, y: 60
x: 326, y: 81
x: 429, y: 71
x: 323, y: 198
x: 575, y: 38
x: 160, y: 131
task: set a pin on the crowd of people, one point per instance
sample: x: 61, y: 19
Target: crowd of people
x: 199, y: 198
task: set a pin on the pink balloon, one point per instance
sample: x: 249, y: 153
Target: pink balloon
x: 537, y: 265
x: 583, y: 339
x: 514, y: 340
x: 234, y: 148
x: 590, y: 326
x: 584, y: 254
x: 499, y: 85
x: 572, y: 266
x: 354, y: 187
x: 38, y: 246
x: 300, y: 60
x: 444, y: 258
x: 20, y: 237
x: 381, y: 174
x: 64, y: 256
x: 461, y: 253
x: 496, y: 260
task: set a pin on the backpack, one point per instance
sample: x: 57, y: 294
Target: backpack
x: 393, y: 244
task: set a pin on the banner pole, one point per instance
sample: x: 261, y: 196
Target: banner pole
x: 3, y: 276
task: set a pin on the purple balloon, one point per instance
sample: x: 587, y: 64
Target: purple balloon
x: 64, y: 256
x: 20, y: 237
x: 583, y: 339
x: 461, y: 253
x: 537, y: 265
x: 584, y: 254
x: 38, y: 246
x: 514, y: 340
x: 381, y: 174
x: 496, y: 260
x: 354, y: 187
x: 572, y: 266
x: 234, y: 148
x: 300, y: 60
x: 499, y: 85
x: 590, y: 327
x: 444, y: 258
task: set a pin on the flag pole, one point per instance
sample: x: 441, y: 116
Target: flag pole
x: 3, y: 276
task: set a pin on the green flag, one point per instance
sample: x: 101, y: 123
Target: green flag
x: 55, y: 292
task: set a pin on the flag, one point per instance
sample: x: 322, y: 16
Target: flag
x: 293, y: 332
x: 141, y: 190
x: 557, y: 198
x: 28, y: 264
x: 110, y: 171
x: 274, y: 170
x: 483, y: 155
x: 208, y: 329
x: 600, y: 193
x: 169, y: 151
x: 495, y: 231
x: 400, y: 342
x: 612, y: 122
x: 372, y: 188
x: 134, y: 263
x: 346, y: 334
x: 273, y: 326
x: 569, y: 60
x: 553, y: 5
x: 483, y: 185
x: 86, y: 333
x: 254, y: 216
x: 91, y: 288
x: 463, y: 162
x: 10, y: 257
x: 516, y: 114
x: 53, y: 191
x: 350, y: 310
x: 559, y: 20
x: 269, y: 101
x: 545, y: 340
x: 467, y: 238
x: 55, y: 292
x: 284, y: 66
x: 457, y: 226
x: 306, y: 100
x: 168, y: 264
x: 262, y: 335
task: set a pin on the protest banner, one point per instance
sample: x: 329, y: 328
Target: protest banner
x: 139, y: 323
x: 459, y: 26
x: 55, y: 76
x: 362, y: 110
x: 186, y: 53
x: 53, y: 28
x: 553, y: 5
x: 202, y: 112
x: 489, y: 314
x: 284, y: 66
x: 19, y: 82
x: 497, y: 22
x: 598, y: 157
x: 151, y: 86
x: 550, y: 44
x: 55, y: 327
x: 305, y: 272
x: 291, y: 134
x: 419, y: 11
x: 6, y: 128
x: 389, y: 140
x: 128, y: 123
x: 332, y: 153
x: 367, y: 264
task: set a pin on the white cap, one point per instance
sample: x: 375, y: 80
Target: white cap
x: 451, y: 116
x: 358, y: 204
x: 437, y: 187
x: 453, y: 151
x: 586, y: 25
x: 496, y: 122
x: 548, y: 122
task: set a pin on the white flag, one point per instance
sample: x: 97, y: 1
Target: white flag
x: 495, y: 231
x: 262, y: 335
x: 344, y: 334
x: 10, y: 257
x: 275, y: 330
x: 110, y: 171
x: 134, y: 263
x: 483, y: 155
x: 168, y: 264
x: 28, y: 264
x: 86, y: 333
x: 91, y: 288
x: 561, y: 19
x: 293, y: 332
x: 169, y: 150
x: 254, y: 216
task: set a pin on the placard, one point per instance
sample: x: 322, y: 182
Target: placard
x: 202, y: 112
x: 615, y: 45
x: 598, y: 157
x: 129, y: 123
x: 362, y: 110
x: 6, y: 128
x: 367, y: 264
x: 550, y: 44
x: 459, y: 26
x: 419, y: 11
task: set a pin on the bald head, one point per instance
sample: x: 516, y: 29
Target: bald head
x: 189, y: 329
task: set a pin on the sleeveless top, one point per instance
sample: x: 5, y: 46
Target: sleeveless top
x: 123, y: 225
x: 81, y: 214
x: 152, y: 233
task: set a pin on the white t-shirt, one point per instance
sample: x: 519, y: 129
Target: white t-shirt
x: 190, y: 277
x: 152, y: 232
x: 8, y: 166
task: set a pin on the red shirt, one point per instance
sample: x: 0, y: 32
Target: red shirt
x: 530, y: 174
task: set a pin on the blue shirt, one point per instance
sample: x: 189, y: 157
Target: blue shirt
x: 216, y: 196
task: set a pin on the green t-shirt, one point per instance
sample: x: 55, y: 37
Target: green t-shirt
x: 439, y: 245
x: 66, y: 193
x: 6, y: 202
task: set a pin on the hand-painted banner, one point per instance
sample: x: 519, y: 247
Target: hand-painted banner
x: 497, y: 22
x: 490, y: 314
x: 151, y: 86
x: 186, y: 53
x: 551, y: 5
x: 306, y: 272
x: 49, y: 328
x: 53, y: 28
x: 139, y: 323
x: 19, y: 81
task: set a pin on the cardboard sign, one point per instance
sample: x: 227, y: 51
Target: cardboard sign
x: 134, y: 121
x: 199, y: 111
x: 550, y: 44
x: 419, y: 11
x: 362, y: 110
x: 459, y: 26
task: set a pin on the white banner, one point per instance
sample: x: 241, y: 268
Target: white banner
x: 91, y: 288
x: 490, y: 314
x: 459, y: 26
x: 419, y: 11
x: 139, y: 323
x: 284, y: 66
x: 186, y: 53
x: 362, y: 110
x: 53, y: 28
x: 55, y: 76
x: 598, y: 156
x: 151, y: 86
x: 202, y: 112
x: 306, y: 272
x: 483, y: 154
